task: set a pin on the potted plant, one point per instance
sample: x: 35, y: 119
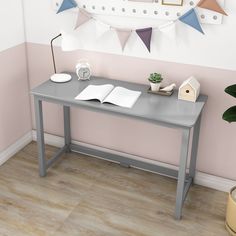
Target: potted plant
x: 155, y: 81
x: 230, y: 116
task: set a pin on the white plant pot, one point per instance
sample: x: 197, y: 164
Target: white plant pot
x: 155, y: 86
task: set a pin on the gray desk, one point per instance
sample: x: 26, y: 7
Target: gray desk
x: 159, y: 110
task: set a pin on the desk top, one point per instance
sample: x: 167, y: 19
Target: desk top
x: 168, y: 111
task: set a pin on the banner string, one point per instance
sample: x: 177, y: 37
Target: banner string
x: 128, y: 30
x: 189, y: 18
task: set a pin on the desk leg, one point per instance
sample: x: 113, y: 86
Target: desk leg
x: 67, y: 132
x: 182, y: 173
x: 40, y: 136
x: 196, y: 131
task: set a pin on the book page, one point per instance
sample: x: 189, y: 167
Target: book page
x: 123, y: 97
x: 98, y: 92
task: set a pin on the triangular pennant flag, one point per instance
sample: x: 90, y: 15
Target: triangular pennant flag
x: 145, y: 35
x: 168, y: 29
x: 190, y: 18
x: 81, y: 19
x: 67, y: 4
x: 101, y: 28
x: 212, y: 5
x: 123, y: 37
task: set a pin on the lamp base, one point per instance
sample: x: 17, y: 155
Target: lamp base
x: 60, y: 78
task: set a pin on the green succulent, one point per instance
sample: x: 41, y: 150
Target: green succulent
x: 155, y: 78
x: 230, y: 114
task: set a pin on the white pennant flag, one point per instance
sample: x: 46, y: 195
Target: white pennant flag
x: 101, y: 28
x: 169, y: 29
x: 123, y: 37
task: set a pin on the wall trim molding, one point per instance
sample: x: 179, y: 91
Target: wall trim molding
x: 203, y: 179
x: 15, y: 147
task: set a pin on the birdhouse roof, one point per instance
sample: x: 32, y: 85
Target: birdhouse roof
x: 192, y: 82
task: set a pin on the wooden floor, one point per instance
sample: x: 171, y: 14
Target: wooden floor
x: 86, y: 196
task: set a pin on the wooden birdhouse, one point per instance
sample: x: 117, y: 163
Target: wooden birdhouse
x: 189, y: 90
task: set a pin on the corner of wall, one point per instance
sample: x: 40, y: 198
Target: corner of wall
x: 26, y: 58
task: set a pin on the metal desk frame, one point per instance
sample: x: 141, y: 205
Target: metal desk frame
x: 184, y: 180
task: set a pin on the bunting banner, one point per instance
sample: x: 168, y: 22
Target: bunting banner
x: 169, y: 29
x: 67, y: 4
x: 145, y: 35
x: 123, y: 36
x: 82, y: 18
x: 212, y: 5
x: 190, y: 18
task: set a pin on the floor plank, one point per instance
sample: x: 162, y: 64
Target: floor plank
x: 86, y: 196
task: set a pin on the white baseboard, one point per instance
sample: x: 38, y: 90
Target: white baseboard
x: 15, y: 147
x: 201, y: 178
x: 215, y: 182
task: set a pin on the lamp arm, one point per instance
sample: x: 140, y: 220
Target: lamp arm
x: 52, y: 50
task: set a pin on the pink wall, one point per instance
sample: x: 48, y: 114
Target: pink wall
x: 217, y: 139
x: 15, y: 118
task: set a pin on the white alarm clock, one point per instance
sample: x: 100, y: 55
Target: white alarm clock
x: 83, y: 70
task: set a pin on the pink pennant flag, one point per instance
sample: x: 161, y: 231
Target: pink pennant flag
x: 212, y: 5
x: 145, y: 35
x: 82, y: 18
x: 123, y: 37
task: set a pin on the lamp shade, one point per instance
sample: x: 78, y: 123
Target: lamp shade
x: 70, y: 41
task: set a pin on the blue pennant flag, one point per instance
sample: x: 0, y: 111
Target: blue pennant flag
x: 67, y: 4
x: 190, y: 18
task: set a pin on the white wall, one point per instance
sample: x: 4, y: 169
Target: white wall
x: 11, y: 24
x: 216, y: 48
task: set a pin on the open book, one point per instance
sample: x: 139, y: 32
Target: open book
x: 109, y: 93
